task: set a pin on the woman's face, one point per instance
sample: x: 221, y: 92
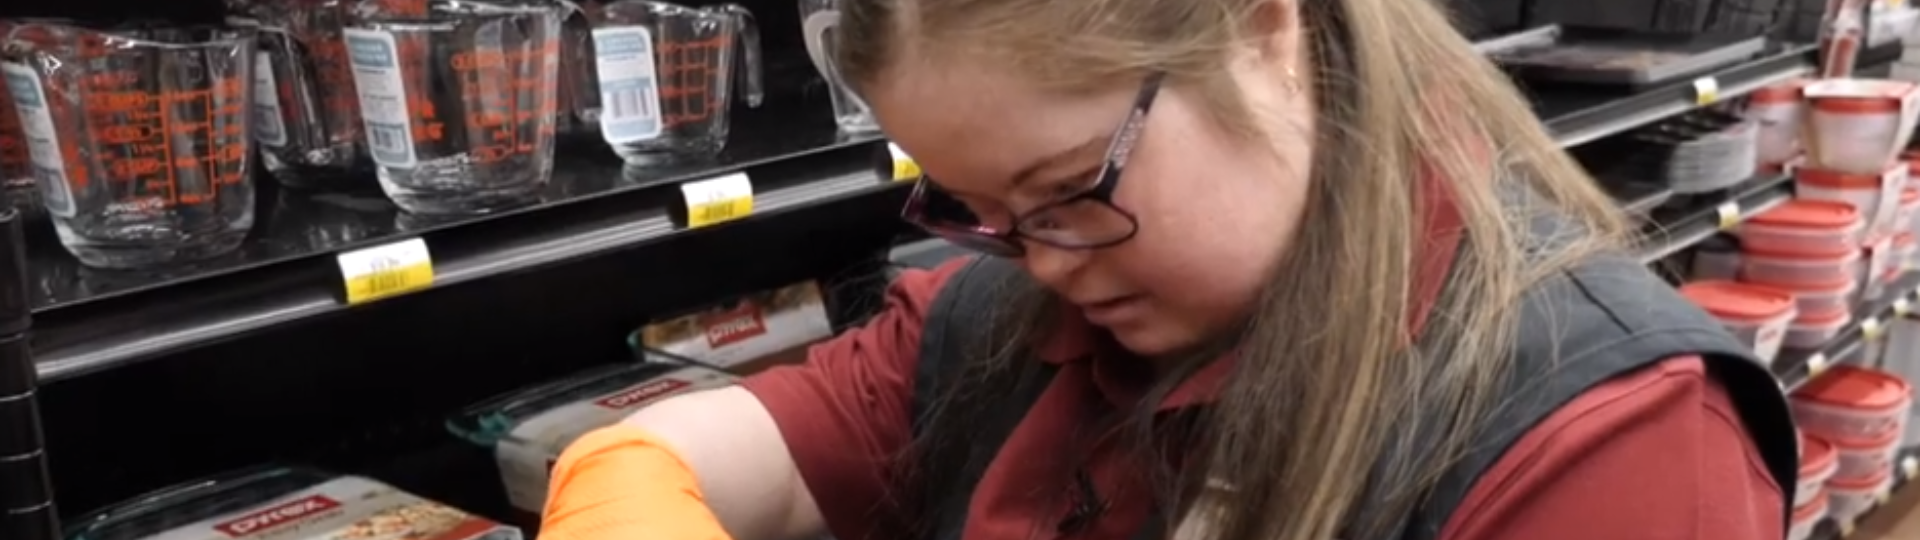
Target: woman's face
x: 1216, y: 210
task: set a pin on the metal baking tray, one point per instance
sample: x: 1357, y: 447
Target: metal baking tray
x: 1577, y: 54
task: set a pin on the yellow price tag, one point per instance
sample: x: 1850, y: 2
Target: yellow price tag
x: 1910, y: 467
x: 1902, y: 307
x: 1706, y: 91
x: 718, y: 200
x: 905, y: 169
x: 1729, y: 213
x: 1846, y: 528
x: 1871, y: 329
x: 1882, y: 496
x: 386, y: 270
x: 1817, y: 364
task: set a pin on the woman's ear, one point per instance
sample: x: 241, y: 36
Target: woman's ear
x: 1273, y: 30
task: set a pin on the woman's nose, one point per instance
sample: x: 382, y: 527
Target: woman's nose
x: 1052, y: 266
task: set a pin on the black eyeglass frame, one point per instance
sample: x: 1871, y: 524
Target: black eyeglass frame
x: 1008, y: 243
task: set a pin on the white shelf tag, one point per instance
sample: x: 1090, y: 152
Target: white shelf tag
x: 1729, y: 213
x: 1706, y: 91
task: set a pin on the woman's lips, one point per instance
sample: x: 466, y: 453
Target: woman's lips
x: 1115, y: 311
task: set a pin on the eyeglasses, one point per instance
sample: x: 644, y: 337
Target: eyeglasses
x: 1087, y: 220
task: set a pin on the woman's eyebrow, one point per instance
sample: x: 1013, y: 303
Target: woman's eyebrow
x: 1097, y: 143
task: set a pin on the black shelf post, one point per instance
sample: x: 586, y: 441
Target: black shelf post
x: 26, y: 485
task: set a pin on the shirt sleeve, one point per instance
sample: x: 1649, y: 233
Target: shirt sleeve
x: 843, y: 412
x: 1660, y: 454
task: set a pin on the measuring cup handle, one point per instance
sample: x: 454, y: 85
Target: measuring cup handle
x: 751, y: 69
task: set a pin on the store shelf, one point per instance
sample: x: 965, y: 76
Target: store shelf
x: 87, y: 320
x: 1682, y: 223
x: 1577, y: 115
x: 1870, y: 320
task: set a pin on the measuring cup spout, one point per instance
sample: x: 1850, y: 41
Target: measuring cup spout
x: 751, y: 71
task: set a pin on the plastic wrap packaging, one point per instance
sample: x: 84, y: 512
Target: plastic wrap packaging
x: 285, y: 504
x: 527, y: 429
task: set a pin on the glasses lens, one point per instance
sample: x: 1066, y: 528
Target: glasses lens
x: 976, y: 241
x: 1078, y: 223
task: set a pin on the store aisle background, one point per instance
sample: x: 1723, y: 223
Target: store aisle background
x: 1899, y: 520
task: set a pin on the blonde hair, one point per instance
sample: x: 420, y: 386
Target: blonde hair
x: 1327, y: 382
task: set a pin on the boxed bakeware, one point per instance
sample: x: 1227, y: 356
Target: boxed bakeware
x: 285, y: 504
x: 527, y: 429
x: 767, y: 324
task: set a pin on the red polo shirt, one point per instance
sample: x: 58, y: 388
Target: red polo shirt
x: 1657, y: 454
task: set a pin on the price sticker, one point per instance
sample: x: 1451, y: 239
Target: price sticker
x: 1882, y: 496
x: 905, y: 169
x: 718, y: 200
x: 1902, y: 307
x: 1910, y: 467
x: 387, y: 270
x: 1871, y: 328
x: 1817, y: 364
x: 1729, y: 213
x: 1706, y: 91
x: 1846, y: 528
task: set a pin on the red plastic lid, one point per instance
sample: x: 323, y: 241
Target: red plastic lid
x: 1816, y: 455
x: 1738, y: 301
x: 1871, y: 481
x: 1836, y: 288
x: 1855, y: 388
x: 1876, y: 442
x: 1786, y: 92
x: 1805, y: 214
x: 1837, y: 179
x: 1813, y: 510
x: 1909, y: 195
x: 1824, y: 317
x: 1857, y: 105
x: 1832, y: 254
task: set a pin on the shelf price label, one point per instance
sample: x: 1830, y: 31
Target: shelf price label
x: 1817, y: 364
x: 904, y: 168
x: 386, y: 270
x: 1706, y: 91
x: 718, y: 200
x: 1902, y: 307
x: 1846, y: 528
x: 1729, y: 214
x: 1909, y: 467
x: 1871, y: 328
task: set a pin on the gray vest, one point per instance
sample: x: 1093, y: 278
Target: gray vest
x: 1602, y: 319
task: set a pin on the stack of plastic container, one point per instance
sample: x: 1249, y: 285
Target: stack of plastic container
x: 1862, y: 415
x: 1818, y: 462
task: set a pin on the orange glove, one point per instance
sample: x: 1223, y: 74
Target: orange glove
x: 624, y: 483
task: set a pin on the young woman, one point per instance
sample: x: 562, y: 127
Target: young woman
x: 1254, y: 270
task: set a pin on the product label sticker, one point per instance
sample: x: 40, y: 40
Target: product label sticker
x: 629, y: 84
x: 527, y: 454
x: 345, y: 508
x: 383, y: 96
x: 718, y: 200
x: 43, y: 139
x: 268, y: 126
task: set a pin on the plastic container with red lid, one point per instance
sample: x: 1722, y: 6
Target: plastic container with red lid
x: 1852, y: 403
x: 1909, y: 206
x: 1757, y: 315
x: 1804, y: 225
x: 1818, y: 461
x: 1811, y: 329
x: 1807, y: 516
x: 1863, y: 191
x: 1820, y: 298
x: 1904, y: 249
x: 1799, y: 268
x: 1854, y: 124
x: 1847, y: 498
x: 1777, y: 109
x: 1860, y: 457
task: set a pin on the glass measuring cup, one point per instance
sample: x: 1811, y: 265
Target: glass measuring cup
x: 818, y: 19
x: 17, y: 188
x: 665, y: 73
x: 305, y: 111
x: 458, y: 99
x: 139, y: 139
